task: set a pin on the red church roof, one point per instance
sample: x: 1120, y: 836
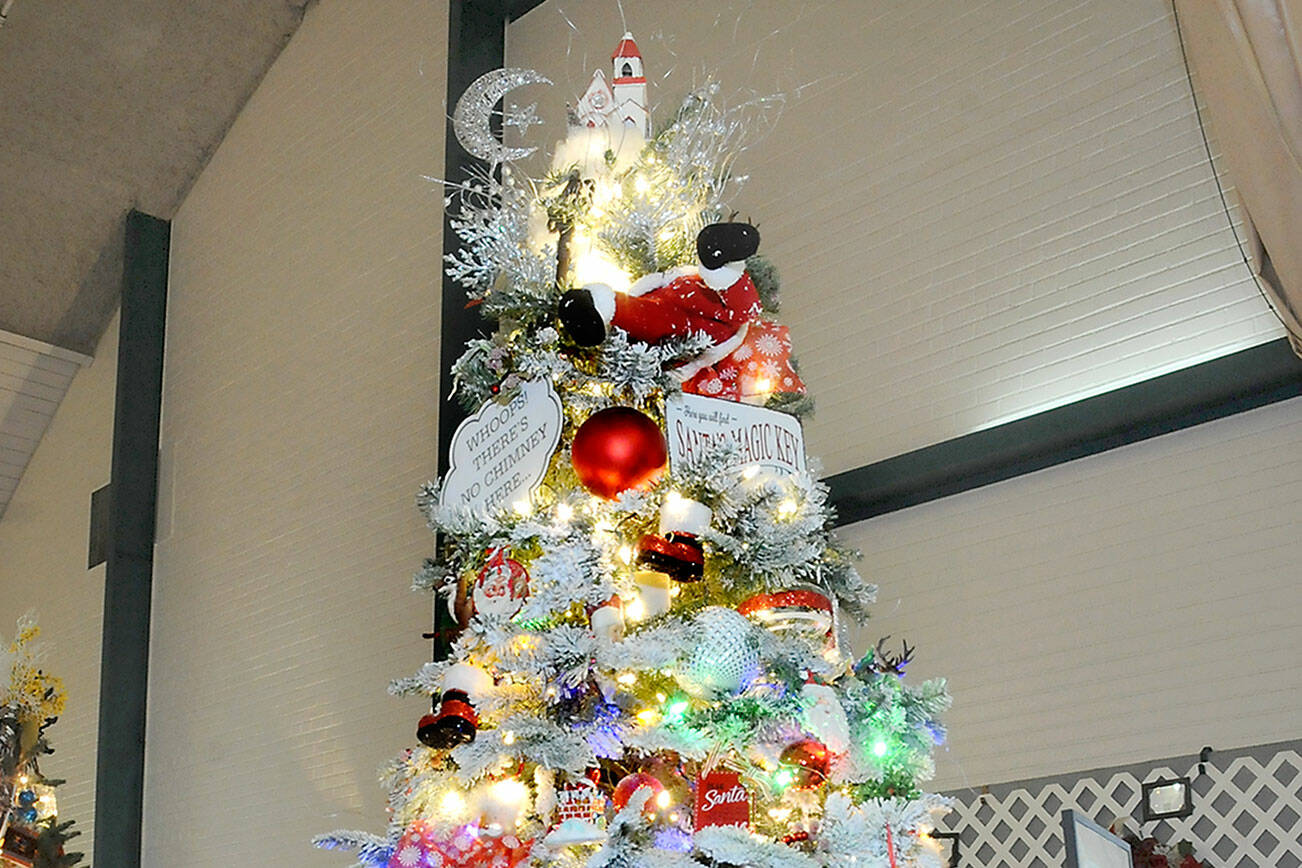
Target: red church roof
x: 626, y: 48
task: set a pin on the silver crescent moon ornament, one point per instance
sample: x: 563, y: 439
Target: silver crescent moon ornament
x: 470, y: 120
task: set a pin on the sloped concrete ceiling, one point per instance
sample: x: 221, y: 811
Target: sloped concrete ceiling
x: 107, y: 105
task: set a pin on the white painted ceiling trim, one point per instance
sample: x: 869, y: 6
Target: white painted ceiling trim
x: 34, y: 376
x: 23, y: 342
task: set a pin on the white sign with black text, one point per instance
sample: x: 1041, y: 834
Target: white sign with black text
x: 501, y: 452
x: 767, y: 438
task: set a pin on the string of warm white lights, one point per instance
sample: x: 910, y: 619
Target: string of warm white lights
x: 641, y: 658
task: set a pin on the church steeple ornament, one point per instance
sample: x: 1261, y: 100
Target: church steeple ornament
x: 622, y: 100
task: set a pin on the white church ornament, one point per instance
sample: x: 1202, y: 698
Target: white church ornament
x: 622, y: 102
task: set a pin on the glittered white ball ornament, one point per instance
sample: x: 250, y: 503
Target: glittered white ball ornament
x: 725, y: 660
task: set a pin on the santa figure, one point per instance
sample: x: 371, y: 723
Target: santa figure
x: 750, y: 358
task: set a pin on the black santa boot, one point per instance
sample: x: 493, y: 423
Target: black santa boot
x: 723, y: 249
x: 581, y: 317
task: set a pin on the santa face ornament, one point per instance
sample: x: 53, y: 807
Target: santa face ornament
x: 501, y: 586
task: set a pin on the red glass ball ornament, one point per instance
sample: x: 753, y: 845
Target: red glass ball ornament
x: 809, y: 760
x: 630, y: 784
x: 617, y: 449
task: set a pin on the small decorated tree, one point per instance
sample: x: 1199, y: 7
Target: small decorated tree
x: 31, y: 834
x: 642, y: 644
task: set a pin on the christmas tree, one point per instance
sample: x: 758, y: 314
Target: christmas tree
x: 642, y: 653
x: 31, y: 835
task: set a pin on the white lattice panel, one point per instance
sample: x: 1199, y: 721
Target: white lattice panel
x: 1247, y: 814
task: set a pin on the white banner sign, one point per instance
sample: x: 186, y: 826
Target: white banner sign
x: 500, y: 453
x: 767, y: 438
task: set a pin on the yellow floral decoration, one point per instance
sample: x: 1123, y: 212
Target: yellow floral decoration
x: 35, y: 694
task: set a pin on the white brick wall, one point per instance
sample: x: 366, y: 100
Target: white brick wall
x: 978, y: 209
x: 300, y: 410
x: 44, y: 536
x: 1136, y: 604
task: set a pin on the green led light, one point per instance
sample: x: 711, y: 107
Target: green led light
x: 784, y: 778
x: 879, y: 748
x: 677, y: 709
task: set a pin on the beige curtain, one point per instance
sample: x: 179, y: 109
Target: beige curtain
x: 1247, y: 59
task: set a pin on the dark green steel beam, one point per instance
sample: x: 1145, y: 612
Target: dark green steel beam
x: 476, y: 45
x: 1221, y: 387
x: 128, y: 577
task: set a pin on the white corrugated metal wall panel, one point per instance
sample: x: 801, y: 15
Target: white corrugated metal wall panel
x: 300, y: 410
x: 33, y: 379
x: 1125, y: 606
